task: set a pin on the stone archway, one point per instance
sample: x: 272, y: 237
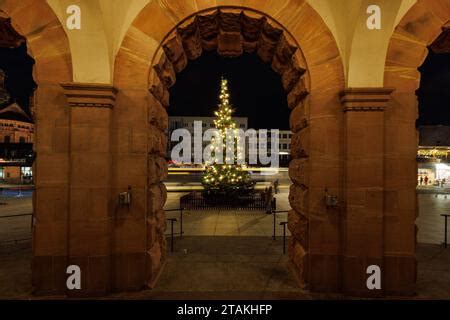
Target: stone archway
x: 47, y: 43
x: 407, y: 50
x: 362, y: 152
x: 308, y: 59
x: 46, y: 38
x: 231, y: 32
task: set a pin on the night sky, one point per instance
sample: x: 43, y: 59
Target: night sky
x: 256, y: 90
x: 434, y: 92
x: 18, y: 67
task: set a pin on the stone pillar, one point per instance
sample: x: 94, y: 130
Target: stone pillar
x: 363, y: 220
x: 51, y: 196
x: 90, y: 218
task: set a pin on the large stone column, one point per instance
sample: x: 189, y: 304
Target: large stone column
x: 363, y: 220
x: 90, y: 199
x: 51, y: 197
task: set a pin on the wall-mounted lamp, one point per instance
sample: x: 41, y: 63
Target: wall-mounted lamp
x: 331, y: 201
x: 125, y: 197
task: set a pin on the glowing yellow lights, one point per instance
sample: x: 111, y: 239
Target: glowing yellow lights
x: 434, y: 153
x: 220, y: 176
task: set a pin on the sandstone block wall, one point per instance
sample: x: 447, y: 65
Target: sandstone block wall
x: 90, y: 147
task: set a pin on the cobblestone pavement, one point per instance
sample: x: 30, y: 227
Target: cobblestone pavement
x: 434, y: 190
x: 225, y: 255
x: 15, y: 228
x: 430, y: 222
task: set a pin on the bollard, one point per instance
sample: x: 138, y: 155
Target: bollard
x: 274, y: 222
x: 171, y: 232
x: 181, y: 222
x: 284, y: 223
x: 445, y: 229
x: 181, y: 218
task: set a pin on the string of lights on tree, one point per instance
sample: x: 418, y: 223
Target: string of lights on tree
x: 226, y: 177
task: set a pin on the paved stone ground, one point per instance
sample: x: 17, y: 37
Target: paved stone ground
x: 15, y: 227
x: 15, y: 270
x: 434, y: 190
x: 433, y: 278
x: 430, y: 221
x: 228, y: 222
x: 262, y: 273
x: 225, y: 255
x: 205, y: 265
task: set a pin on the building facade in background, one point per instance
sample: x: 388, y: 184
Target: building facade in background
x: 179, y: 122
x: 15, y: 126
x: 16, y: 140
x: 285, y: 147
x: 187, y: 123
x: 434, y: 156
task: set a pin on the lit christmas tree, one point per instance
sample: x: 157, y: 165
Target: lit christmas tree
x: 224, y: 175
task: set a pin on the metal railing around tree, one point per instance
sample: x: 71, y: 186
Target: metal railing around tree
x: 253, y: 201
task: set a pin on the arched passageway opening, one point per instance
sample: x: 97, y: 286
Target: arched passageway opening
x: 16, y: 157
x: 217, y: 240
x: 433, y: 125
x: 407, y: 51
x: 17, y: 88
x: 230, y: 34
x: 33, y: 73
x: 309, y: 64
